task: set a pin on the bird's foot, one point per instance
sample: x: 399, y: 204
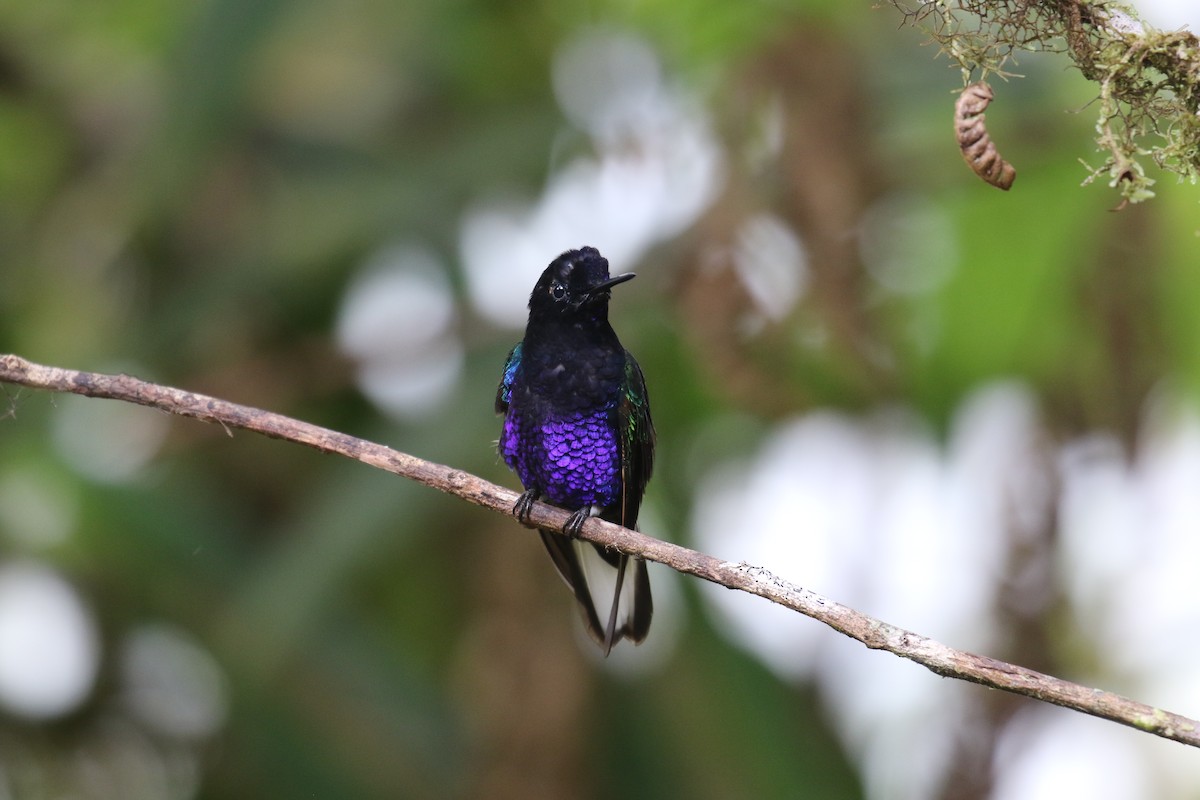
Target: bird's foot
x: 575, y: 522
x: 524, y: 506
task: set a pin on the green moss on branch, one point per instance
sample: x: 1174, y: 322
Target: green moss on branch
x: 1148, y: 81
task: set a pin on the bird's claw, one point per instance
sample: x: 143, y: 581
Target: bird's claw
x: 575, y: 522
x: 524, y: 506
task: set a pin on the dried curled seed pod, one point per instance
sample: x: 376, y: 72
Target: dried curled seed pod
x: 973, y: 140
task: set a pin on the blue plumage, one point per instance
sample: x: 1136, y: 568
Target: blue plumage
x: 511, y: 365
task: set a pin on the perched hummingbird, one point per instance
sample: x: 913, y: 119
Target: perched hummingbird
x: 577, y: 432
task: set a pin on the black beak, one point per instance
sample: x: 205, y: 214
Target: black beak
x: 600, y: 288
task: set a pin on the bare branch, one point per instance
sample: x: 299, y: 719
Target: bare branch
x: 873, y: 633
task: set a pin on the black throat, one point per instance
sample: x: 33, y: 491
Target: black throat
x: 571, y: 361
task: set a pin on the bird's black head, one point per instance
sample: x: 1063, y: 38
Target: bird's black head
x: 576, y: 283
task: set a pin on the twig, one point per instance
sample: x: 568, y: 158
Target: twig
x: 873, y: 633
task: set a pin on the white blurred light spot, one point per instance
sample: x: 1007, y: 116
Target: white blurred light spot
x: 172, y: 683
x: 36, y: 510
x: 397, y: 302
x: 902, y: 756
x: 1098, y: 511
x: 396, y: 322
x: 503, y: 257
x: 1168, y: 15
x: 1131, y: 540
x: 1046, y: 754
x: 657, y: 166
x: 873, y: 512
x: 771, y: 263
x: 606, y: 81
x: 49, y: 653
x: 106, y: 440
x: 998, y: 496
x: 799, y: 509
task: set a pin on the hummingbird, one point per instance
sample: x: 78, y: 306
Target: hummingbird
x: 577, y: 432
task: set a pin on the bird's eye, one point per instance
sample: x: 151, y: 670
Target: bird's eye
x: 558, y: 291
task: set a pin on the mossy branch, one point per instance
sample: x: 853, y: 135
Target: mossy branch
x: 1148, y: 81
x: 873, y: 633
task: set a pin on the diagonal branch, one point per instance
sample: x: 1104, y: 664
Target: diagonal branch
x: 873, y: 633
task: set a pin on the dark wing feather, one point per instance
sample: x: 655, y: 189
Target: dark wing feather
x: 504, y: 391
x: 566, y: 560
x: 636, y: 441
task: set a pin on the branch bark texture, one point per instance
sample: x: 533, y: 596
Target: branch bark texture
x: 875, y: 634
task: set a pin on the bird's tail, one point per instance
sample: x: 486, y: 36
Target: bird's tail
x: 595, y: 574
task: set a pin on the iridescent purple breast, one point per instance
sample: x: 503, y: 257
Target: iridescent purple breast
x: 573, y: 459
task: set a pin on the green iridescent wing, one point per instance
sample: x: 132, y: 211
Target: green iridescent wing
x: 632, y: 606
x: 636, y: 442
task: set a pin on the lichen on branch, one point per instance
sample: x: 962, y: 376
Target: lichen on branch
x: 1148, y: 81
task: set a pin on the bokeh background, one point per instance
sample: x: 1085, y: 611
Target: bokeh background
x: 969, y: 413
